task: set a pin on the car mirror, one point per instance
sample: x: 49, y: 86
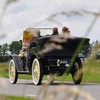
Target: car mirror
x: 20, y: 41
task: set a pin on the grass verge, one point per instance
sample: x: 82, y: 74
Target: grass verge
x: 6, y: 97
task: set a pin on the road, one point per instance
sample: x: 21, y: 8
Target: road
x: 27, y: 88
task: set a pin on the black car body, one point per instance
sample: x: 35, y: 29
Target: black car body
x: 50, y: 55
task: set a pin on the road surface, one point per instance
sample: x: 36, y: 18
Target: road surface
x: 27, y: 88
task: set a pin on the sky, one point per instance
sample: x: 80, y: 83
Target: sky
x: 23, y: 14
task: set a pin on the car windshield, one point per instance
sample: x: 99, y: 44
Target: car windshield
x: 44, y: 31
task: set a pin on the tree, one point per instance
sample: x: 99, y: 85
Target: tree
x: 4, y: 49
x: 3, y: 52
x: 0, y: 49
x: 15, y: 47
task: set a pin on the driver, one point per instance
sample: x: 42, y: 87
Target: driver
x: 29, y: 36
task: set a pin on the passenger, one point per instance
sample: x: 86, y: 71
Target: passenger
x: 65, y: 32
x: 36, y: 35
x: 55, y: 31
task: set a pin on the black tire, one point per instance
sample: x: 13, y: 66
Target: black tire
x: 13, y: 75
x: 37, y: 72
x: 77, y: 74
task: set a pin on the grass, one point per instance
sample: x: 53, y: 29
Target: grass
x: 6, y: 97
x: 91, y: 72
x: 4, y: 70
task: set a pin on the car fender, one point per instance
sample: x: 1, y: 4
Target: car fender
x: 18, y: 62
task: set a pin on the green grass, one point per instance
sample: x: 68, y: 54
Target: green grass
x: 91, y: 72
x: 6, y: 97
x: 4, y: 70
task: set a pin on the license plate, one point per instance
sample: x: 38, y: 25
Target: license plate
x: 64, y: 62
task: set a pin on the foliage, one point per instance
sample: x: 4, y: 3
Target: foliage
x: 3, y: 52
x: 4, y: 58
x: 15, y: 47
x: 3, y: 49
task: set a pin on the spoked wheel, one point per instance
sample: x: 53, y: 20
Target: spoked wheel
x: 50, y: 78
x: 13, y: 75
x: 78, y: 72
x: 37, y: 72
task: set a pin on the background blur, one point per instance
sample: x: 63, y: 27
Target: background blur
x: 82, y: 17
x: 17, y: 15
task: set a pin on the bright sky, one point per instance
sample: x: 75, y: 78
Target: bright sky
x: 27, y: 13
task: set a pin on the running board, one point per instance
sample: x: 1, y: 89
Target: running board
x: 23, y: 72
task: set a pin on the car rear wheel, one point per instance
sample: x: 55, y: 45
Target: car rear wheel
x: 13, y: 75
x: 37, y: 72
x: 78, y: 72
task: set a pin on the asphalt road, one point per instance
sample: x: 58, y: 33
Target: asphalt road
x: 27, y: 88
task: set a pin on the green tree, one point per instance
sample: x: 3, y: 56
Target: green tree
x: 4, y: 49
x: 15, y: 47
x: 0, y: 49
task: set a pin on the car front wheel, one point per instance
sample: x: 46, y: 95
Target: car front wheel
x: 13, y: 75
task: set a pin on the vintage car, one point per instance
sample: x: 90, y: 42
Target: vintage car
x: 47, y: 55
